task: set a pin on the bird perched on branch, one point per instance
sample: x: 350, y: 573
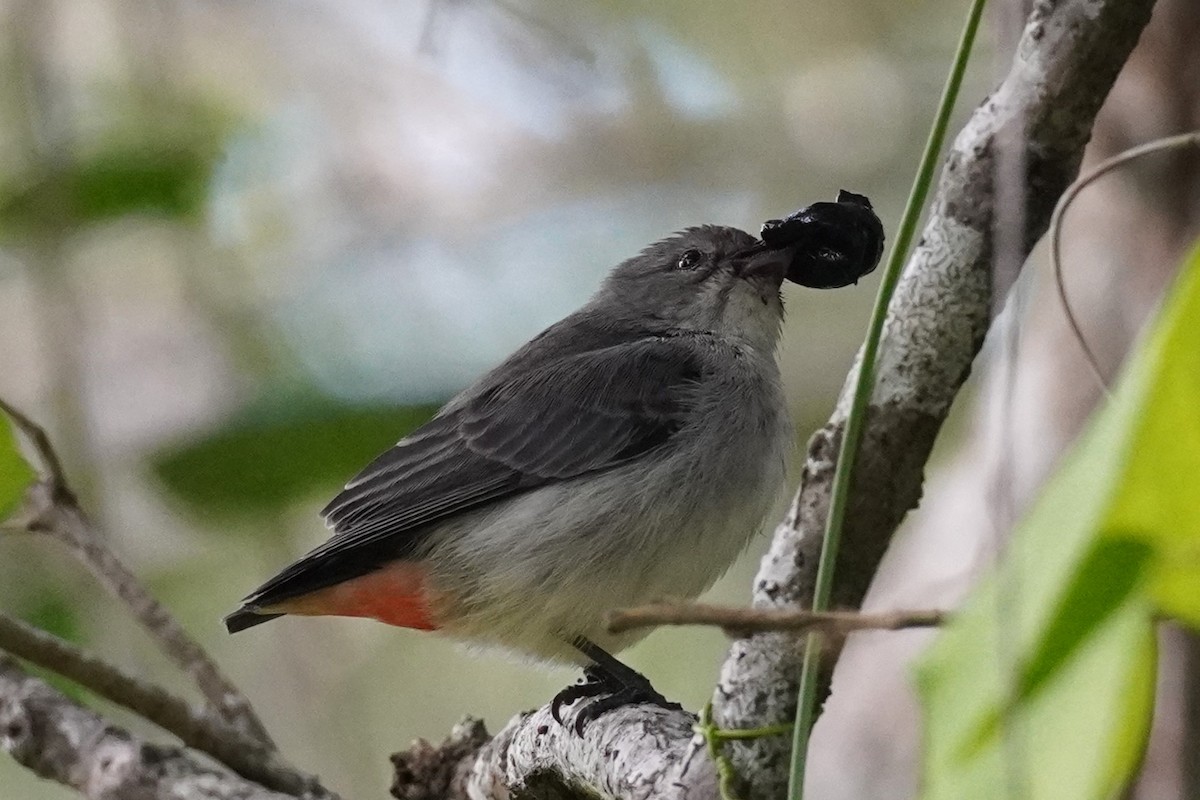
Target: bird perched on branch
x: 626, y: 453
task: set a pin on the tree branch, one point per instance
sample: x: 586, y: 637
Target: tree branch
x: 1066, y: 62
x: 228, y: 729
x: 196, y: 728
x: 59, y: 740
x: 51, y: 508
x: 636, y: 752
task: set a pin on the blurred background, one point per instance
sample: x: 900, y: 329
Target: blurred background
x: 245, y: 246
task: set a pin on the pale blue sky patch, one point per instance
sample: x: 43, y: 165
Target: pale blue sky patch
x: 417, y: 319
x: 691, y: 84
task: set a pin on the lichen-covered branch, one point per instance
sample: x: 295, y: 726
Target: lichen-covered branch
x: 59, y: 740
x: 636, y: 752
x: 1066, y: 62
x: 198, y: 728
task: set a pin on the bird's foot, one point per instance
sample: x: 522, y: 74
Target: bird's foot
x: 606, y: 692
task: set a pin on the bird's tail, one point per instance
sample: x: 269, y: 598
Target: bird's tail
x: 247, y: 618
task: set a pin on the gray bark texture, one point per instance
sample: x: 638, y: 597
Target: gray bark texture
x: 634, y: 752
x: 1066, y: 62
x: 644, y: 754
x: 1123, y: 240
x: 64, y: 742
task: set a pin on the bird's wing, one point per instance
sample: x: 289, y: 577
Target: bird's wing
x: 579, y: 413
x: 576, y: 414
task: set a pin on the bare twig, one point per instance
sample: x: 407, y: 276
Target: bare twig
x: 64, y: 742
x: 51, y: 508
x: 1056, y: 224
x: 197, y: 728
x: 740, y: 622
x: 48, y: 467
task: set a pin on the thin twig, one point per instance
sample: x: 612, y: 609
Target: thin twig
x: 746, y: 621
x: 196, y: 728
x: 51, y: 508
x: 48, y: 467
x: 1056, y: 225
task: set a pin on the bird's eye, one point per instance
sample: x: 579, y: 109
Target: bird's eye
x: 690, y: 259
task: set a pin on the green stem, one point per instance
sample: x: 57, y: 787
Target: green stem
x: 852, y: 432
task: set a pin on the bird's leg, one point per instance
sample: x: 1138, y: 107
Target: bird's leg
x: 609, y: 684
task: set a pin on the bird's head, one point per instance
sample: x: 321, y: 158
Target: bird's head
x: 711, y: 279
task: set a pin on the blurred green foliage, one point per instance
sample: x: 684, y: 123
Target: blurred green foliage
x: 272, y: 454
x: 57, y: 611
x: 15, y: 473
x: 159, y: 163
x: 1043, y: 687
x: 51, y: 610
x: 109, y: 185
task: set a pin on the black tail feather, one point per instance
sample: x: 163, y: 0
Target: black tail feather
x: 246, y: 618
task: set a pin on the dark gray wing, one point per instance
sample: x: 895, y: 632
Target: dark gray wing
x: 575, y: 414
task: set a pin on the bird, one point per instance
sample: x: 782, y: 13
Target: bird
x: 625, y: 454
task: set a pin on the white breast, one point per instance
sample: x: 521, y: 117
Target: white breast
x: 547, y: 565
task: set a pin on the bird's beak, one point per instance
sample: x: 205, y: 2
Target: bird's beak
x: 766, y: 264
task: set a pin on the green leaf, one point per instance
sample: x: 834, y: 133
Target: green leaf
x: 1043, y: 686
x: 15, y: 473
x: 158, y: 163
x: 167, y: 180
x: 151, y: 179
x: 56, y: 610
x: 269, y: 456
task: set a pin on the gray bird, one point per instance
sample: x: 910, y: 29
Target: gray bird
x: 626, y: 453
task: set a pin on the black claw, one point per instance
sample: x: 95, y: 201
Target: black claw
x: 556, y: 706
x: 627, y: 696
x: 590, y: 686
x: 606, y: 692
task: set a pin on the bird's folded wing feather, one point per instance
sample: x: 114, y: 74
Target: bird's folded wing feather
x: 575, y: 414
